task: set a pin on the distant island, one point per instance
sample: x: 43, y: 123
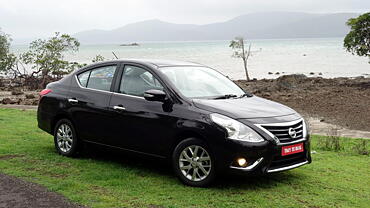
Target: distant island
x: 263, y: 25
x: 130, y: 44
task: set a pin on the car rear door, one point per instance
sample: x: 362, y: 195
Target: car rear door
x: 89, y: 99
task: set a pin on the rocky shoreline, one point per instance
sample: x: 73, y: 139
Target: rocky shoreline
x: 341, y: 101
x: 19, y: 97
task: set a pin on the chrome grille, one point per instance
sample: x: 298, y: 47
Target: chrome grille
x: 282, y: 132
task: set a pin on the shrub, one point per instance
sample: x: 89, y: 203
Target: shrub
x: 361, y: 147
x: 331, y: 142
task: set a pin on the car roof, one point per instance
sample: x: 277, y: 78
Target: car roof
x: 155, y: 62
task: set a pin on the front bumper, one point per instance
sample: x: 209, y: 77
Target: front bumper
x: 261, y: 158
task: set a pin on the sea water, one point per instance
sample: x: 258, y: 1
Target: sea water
x: 324, y: 56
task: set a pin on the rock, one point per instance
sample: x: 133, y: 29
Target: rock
x: 270, y: 73
x: 256, y: 91
x: 17, y: 92
x: 359, y: 77
x: 30, y: 96
x: 289, y: 81
x: 320, y: 73
x: 7, y: 101
x: 29, y: 102
x: 312, y: 73
x: 266, y: 94
x: 35, y: 102
x: 277, y: 73
x: 304, y: 55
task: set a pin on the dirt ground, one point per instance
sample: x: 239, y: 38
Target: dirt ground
x: 17, y: 193
x: 341, y: 101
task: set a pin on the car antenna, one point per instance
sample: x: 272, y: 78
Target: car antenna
x: 115, y: 55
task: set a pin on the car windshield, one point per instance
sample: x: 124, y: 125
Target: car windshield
x: 202, y: 82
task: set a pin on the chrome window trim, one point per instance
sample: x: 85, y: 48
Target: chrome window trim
x: 282, y: 124
x: 287, y: 167
x: 134, y: 96
x: 250, y: 167
x: 110, y: 92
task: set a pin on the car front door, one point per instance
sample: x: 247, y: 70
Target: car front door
x: 138, y: 124
x: 89, y: 100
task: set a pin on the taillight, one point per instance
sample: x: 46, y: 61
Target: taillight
x: 45, y: 92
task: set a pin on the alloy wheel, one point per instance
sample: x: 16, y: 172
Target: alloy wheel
x: 64, y: 137
x: 195, y: 163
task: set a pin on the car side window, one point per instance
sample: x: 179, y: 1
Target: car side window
x: 136, y: 80
x: 83, y: 78
x: 101, y: 78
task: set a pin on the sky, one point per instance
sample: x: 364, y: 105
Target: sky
x: 29, y: 19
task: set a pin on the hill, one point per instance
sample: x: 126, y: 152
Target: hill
x: 255, y: 25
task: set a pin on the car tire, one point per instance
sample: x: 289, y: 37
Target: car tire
x: 65, y: 138
x: 193, y: 163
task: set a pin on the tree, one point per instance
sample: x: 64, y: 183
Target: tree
x: 7, y: 59
x: 357, y: 41
x: 98, y: 58
x: 239, y: 52
x: 47, y: 57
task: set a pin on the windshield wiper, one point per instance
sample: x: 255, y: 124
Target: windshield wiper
x: 246, y: 95
x: 228, y: 96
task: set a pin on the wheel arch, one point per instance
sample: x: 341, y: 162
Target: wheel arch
x: 57, y: 118
x: 181, y: 136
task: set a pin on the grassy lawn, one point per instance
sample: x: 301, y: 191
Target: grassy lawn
x: 334, y: 179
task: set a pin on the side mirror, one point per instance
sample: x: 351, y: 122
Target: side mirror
x: 155, y: 95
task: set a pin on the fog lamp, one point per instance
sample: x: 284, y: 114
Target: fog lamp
x: 242, y: 162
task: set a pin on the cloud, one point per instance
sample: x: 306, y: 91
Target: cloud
x: 40, y: 18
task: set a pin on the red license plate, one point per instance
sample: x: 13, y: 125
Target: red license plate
x: 291, y: 149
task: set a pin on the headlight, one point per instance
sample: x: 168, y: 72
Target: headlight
x: 235, y: 129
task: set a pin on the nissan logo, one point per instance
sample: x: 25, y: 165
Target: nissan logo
x: 292, y: 133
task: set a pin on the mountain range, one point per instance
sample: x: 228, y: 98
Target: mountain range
x: 251, y: 26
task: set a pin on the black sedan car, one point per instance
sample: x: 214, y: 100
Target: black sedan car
x: 185, y: 112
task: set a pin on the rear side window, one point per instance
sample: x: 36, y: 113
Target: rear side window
x: 99, y: 78
x: 83, y: 78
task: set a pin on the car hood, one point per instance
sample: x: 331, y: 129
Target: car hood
x: 244, y: 108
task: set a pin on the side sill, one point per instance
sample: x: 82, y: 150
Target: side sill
x: 124, y: 149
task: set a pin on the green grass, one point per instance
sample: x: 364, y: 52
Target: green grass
x: 334, y: 179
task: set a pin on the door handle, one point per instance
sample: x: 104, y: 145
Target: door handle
x: 72, y: 100
x: 117, y: 107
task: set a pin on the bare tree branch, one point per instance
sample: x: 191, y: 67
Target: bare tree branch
x: 239, y: 52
